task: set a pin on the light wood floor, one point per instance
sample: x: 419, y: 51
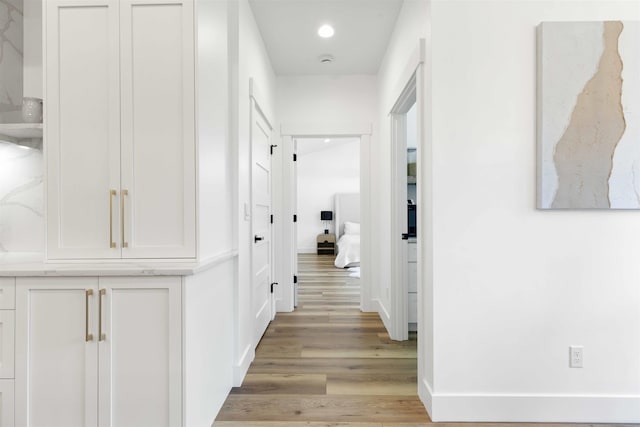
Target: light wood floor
x: 329, y: 365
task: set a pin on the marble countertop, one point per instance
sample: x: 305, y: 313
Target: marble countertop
x: 32, y: 264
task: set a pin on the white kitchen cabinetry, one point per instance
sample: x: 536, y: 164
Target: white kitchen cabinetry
x: 120, y: 129
x: 98, y: 351
x: 7, y: 350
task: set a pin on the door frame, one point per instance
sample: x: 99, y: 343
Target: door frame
x: 289, y: 132
x: 409, y: 89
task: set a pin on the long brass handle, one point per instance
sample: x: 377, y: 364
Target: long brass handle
x: 123, y: 193
x: 112, y: 193
x: 88, y: 336
x: 101, y: 336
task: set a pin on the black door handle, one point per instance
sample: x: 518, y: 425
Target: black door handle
x: 256, y: 239
x: 405, y: 236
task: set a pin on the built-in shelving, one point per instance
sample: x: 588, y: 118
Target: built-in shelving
x: 16, y: 132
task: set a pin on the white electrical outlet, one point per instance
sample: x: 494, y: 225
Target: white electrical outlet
x: 576, y: 356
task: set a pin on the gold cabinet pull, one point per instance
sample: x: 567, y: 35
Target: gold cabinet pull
x: 112, y: 193
x: 123, y: 193
x: 88, y: 336
x: 101, y: 336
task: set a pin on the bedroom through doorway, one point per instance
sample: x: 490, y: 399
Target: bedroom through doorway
x: 327, y: 230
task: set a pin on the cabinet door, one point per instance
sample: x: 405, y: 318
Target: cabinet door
x: 158, y: 142
x: 140, y: 354
x: 7, y: 343
x: 56, y: 359
x: 82, y: 133
x: 7, y: 403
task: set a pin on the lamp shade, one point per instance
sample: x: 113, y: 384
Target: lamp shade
x: 326, y: 215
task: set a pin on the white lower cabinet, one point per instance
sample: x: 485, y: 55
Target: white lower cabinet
x: 6, y: 403
x: 7, y: 350
x: 98, y: 351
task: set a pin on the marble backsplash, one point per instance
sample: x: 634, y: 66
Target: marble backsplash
x: 11, y: 60
x: 21, y: 198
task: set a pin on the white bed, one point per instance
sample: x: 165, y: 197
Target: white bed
x: 347, y: 219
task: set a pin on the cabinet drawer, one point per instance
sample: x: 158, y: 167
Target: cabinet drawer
x: 7, y: 293
x: 413, y: 307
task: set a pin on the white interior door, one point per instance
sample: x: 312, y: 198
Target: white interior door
x: 260, y: 221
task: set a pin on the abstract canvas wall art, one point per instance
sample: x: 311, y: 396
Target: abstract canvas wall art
x: 589, y: 115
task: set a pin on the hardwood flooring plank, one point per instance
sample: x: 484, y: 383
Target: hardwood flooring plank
x: 373, y: 384
x: 291, y: 424
x: 389, y: 353
x: 323, y: 408
x: 364, y: 366
x: 283, y: 384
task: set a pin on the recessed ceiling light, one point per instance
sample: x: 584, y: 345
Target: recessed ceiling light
x: 327, y: 140
x: 326, y: 31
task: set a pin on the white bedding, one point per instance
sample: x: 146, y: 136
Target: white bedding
x: 348, y: 251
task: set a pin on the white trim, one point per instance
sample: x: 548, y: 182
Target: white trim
x: 215, y: 261
x: 425, y: 393
x: 366, y: 253
x: 409, y: 90
x: 240, y: 369
x: 417, y: 57
x: 536, y: 408
x: 288, y: 269
x: 256, y: 94
x: 325, y: 129
x: 382, y: 312
x: 288, y: 184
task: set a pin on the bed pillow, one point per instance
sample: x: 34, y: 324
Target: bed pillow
x: 351, y: 228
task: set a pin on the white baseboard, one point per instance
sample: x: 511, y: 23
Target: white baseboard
x: 384, y: 314
x: 242, y: 366
x: 311, y: 250
x: 531, y: 408
x: 426, y: 396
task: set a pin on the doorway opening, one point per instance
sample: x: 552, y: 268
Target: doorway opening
x: 334, y: 185
x: 327, y: 230
x: 405, y: 260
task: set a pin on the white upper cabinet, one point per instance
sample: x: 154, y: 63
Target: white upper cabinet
x: 82, y: 128
x: 119, y: 129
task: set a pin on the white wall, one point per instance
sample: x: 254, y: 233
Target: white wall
x: 322, y: 174
x: 33, y: 76
x: 326, y: 99
x: 21, y: 199
x: 11, y: 60
x: 411, y: 26
x: 325, y: 103
x: 215, y: 160
x: 514, y: 287
x: 248, y: 59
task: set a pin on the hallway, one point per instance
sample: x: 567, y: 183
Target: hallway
x: 327, y: 363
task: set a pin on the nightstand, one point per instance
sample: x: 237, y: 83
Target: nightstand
x: 326, y: 244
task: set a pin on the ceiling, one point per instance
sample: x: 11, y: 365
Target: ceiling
x: 362, y: 31
x: 306, y: 146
